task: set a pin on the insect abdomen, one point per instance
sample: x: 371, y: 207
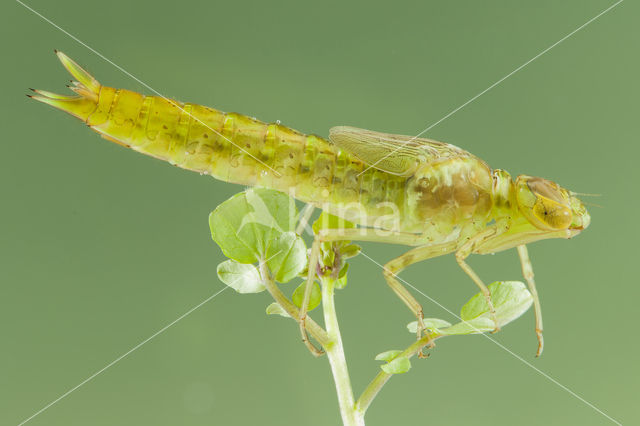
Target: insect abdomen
x: 239, y: 149
x: 229, y: 146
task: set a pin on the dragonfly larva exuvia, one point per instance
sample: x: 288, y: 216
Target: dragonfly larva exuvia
x: 444, y: 199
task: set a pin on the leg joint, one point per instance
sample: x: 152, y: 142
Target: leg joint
x: 389, y: 270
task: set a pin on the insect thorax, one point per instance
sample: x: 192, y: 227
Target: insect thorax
x: 449, y: 195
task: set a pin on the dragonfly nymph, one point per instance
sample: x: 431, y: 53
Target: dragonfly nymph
x: 430, y: 195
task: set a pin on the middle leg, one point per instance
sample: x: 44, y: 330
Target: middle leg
x: 395, y: 266
x: 469, y: 247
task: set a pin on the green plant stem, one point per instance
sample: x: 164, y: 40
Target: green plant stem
x: 371, y: 391
x: 335, y: 354
x: 313, y: 328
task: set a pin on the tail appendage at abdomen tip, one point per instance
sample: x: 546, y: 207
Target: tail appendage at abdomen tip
x: 111, y: 112
x: 86, y: 87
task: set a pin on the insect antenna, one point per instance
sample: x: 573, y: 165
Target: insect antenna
x: 592, y: 204
x: 586, y: 194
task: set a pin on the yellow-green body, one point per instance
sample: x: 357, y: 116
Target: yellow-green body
x: 431, y: 190
x: 455, y: 188
x: 236, y: 148
x: 239, y: 149
x: 400, y: 189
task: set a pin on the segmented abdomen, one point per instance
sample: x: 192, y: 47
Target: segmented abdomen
x: 234, y: 148
x: 239, y: 149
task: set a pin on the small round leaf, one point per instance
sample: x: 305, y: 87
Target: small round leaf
x: 397, y: 365
x: 314, y: 300
x: 388, y: 355
x: 276, y: 309
x: 241, y: 277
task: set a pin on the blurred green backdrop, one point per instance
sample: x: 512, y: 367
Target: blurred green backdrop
x: 102, y: 247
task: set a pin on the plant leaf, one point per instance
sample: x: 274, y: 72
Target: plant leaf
x: 287, y: 257
x: 475, y: 307
x: 388, y: 355
x: 510, y: 299
x: 430, y: 323
x: 275, y: 309
x: 350, y: 251
x: 241, y: 277
x: 314, y: 300
x: 472, y: 326
x: 397, y: 365
x: 341, y: 282
x: 245, y: 225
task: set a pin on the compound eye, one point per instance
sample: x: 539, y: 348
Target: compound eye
x: 543, y: 204
x: 553, y: 214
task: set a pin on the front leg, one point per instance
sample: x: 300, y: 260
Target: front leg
x: 527, y: 272
x: 492, y: 238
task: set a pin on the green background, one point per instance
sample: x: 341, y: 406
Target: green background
x: 102, y: 247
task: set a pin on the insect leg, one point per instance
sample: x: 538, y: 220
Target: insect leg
x: 304, y: 217
x: 393, y: 267
x: 346, y: 234
x: 311, y: 275
x: 464, y: 252
x: 527, y: 272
